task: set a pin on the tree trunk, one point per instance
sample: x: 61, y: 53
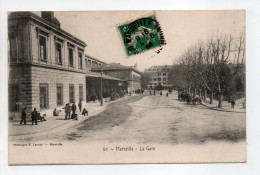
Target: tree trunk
x: 211, y: 97
x: 220, y: 98
x: 194, y: 93
x: 205, y: 95
x: 199, y: 92
x: 244, y: 103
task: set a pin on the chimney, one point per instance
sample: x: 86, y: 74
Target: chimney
x: 49, y: 16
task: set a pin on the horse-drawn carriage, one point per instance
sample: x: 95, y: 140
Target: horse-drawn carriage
x: 185, y: 96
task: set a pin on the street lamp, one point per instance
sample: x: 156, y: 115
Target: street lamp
x: 101, y: 90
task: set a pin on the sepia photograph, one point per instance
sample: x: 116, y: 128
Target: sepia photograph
x: 117, y: 87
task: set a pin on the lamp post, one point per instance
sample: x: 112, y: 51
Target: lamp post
x: 101, y: 90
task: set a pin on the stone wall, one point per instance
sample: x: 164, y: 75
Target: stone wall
x: 52, y: 77
x: 20, y: 76
x: 29, y: 77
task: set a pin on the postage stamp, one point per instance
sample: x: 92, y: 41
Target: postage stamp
x: 141, y: 35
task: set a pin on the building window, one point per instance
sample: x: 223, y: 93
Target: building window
x: 58, y: 53
x: 42, y: 49
x: 71, y: 93
x: 159, y: 79
x: 81, y: 92
x: 80, y: 60
x: 86, y: 63
x: 164, y: 74
x: 154, y: 79
x: 13, y: 97
x: 159, y: 74
x: 89, y: 62
x: 44, y: 99
x: 164, y: 79
x: 59, y: 94
x: 13, y: 47
x: 71, y: 57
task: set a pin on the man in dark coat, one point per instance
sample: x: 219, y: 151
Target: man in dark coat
x: 84, y: 112
x: 80, y: 105
x: 233, y: 103
x: 23, y: 117
x: 67, y: 111
x: 73, y: 108
x: 34, y: 116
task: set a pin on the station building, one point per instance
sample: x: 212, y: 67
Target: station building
x: 130, y: 75
x: 48, y: 66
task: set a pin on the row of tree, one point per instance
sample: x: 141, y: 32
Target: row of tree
x: 216, y: 66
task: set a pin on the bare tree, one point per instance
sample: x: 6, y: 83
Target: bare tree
x: 211, y: 66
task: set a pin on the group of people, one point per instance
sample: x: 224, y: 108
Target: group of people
x: 34, y: 116
x: 73, y: 108
x: 167, y: 94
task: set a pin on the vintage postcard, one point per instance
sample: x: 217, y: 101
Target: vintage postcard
x: 113, y: 87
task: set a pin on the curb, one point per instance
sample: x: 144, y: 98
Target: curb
x: 217, y: 109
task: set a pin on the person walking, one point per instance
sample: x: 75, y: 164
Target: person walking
x: 233, y: 103
x: 23, y: 116
x: 167, y: 94
x: 34, y: 116
x: 67, y: 111
x: 80, y: 105
x: 153, y: 92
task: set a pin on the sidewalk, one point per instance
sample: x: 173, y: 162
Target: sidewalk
x: 54, y: 123
x: 226, y: 106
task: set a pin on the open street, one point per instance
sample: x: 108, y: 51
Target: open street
x: 155, y: 119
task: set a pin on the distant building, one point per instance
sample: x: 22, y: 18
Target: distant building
x: 129, y: 74
x: 47, y: 65
x: 158, y: 77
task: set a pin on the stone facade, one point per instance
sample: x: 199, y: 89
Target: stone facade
x: 158, y: 76
x: 52, y: 77
x: 35, y: 63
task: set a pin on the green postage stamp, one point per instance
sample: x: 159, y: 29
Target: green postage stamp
x: 141, y: 35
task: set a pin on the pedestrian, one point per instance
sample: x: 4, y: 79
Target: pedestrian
x: 23, y: 116
x: 67, y: 111
x: 153, y: 92
x: 34, y: 115
x: 161, y: 93
x: 55, y: 112
x: 80, y: 105
x: 84, y: 112
x: 167, y: 94
x: 73, y: 108
x: 233, y: 103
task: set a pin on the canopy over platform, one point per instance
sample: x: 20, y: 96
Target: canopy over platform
x: 104, y: 76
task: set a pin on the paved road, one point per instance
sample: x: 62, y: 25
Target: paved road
x: 157, y: 119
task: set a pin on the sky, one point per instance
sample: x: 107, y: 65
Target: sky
x: 181, y: 29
